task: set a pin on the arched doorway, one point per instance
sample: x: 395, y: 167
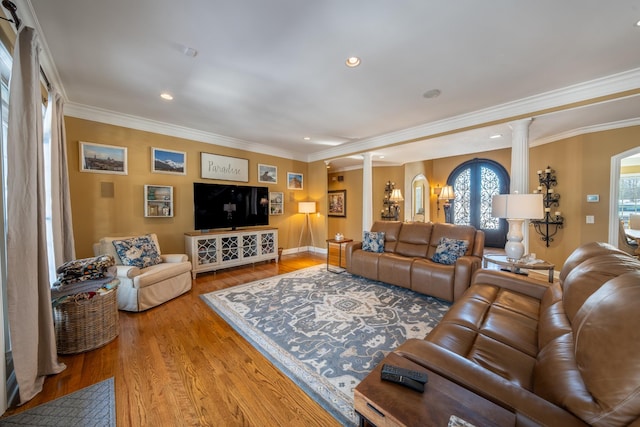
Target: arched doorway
x: 475, y: 182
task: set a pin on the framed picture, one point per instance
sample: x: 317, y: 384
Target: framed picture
x: 294, y: 181
x: 99, y: 158
x: 338, y: 203
x: 267, y: 174
x: 168, y: 161
x: 276, y: 203
x: 226, y: 168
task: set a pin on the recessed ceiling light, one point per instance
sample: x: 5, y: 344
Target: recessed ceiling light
x: 638, y: 24
x: 381, y: 157
x: 496, y: 136
x: 307, y: 138
x: 433, y: 93
x: 352, y: 61
x: 189, y: 51
x: 166, y: 95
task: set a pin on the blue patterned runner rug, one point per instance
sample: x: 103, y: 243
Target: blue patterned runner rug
x: 326, y: 331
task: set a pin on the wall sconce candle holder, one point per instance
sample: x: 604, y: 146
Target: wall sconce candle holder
x: 548, y: 226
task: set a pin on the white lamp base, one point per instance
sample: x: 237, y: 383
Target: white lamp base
x: 514, y: 247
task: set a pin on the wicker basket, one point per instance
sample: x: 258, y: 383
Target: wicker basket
x: 85, y: 324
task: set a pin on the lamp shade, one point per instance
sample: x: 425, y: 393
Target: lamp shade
x: 307, y: 207
x: 447, y: 193
x: 396, y: 195
x: 517, y: 206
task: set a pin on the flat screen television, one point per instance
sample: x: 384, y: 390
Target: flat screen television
x: 229, y: 206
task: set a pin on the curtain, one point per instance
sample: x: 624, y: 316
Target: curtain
x: 28, y: 288
x: 61, y: 223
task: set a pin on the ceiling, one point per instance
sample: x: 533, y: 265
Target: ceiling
x: 267, y: 74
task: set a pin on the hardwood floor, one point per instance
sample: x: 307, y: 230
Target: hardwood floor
x: 180, y: 364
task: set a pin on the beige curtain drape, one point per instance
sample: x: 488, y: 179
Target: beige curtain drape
x: 61, y: 221
x: 28, y: 288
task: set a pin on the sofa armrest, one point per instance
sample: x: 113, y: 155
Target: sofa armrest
x: 522, y: 284
x: 527, y: 405
x: 348, y: 251
x: 174, y: 257
x: 465, y: 266
x: 128, y: 271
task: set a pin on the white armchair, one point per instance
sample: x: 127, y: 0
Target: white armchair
x: 144, y: 288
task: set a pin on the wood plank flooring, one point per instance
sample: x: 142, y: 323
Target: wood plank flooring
x: 180, y: 364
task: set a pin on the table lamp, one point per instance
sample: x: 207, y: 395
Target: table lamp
x: 515, y: 208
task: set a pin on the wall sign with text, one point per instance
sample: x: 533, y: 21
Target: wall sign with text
x: 213, y: 166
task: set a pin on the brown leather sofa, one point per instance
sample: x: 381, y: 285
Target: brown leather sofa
x: 561, y: 354
x: 406, y: 260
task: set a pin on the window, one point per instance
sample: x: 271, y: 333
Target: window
x: 475, y: 183
x: 629, y: 201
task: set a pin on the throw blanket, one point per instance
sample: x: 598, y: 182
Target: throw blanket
x: 81, y: 270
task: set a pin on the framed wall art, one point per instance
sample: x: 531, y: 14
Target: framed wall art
x: 294, y: 181
x: 276, y: 203
x: 267, y: 174
x: 337, y: 203
x: 168, y: 161
x: 213, y: 166
x: 100, y: 158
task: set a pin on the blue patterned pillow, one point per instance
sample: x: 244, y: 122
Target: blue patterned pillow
x: 138, y: 251
x: 373, y: 241
x: 449, y: 250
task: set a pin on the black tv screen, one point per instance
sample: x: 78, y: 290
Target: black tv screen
x: 229, y: 206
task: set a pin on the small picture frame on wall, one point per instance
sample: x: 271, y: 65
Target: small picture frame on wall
x: 100, y: 158
x: 337, y: 203
x: 267, y: 174
x: 276, y: 203
x: 295, y: 181
x: 168, y: 161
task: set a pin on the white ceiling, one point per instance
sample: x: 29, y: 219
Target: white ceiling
x: 269, y: 73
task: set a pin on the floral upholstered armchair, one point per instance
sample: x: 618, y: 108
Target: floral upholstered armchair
x: 147, y: 277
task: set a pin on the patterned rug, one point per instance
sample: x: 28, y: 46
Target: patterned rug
x: 93, y: 406
x: 326, y: 331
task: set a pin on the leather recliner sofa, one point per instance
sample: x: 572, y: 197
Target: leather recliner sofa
x: 561, y: 354
x: 407, y: 258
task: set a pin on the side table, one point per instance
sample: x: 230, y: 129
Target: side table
x: 340, y: 243
x: 386, y: 404
x: 516, y: 266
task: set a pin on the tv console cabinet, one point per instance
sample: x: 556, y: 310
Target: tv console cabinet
x: 215, y: 250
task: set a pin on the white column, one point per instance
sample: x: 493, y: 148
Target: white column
x: 520, y: 165
x: 367, y: 191
x: 520, y: 156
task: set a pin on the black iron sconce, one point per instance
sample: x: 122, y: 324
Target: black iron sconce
x: 548, y: 226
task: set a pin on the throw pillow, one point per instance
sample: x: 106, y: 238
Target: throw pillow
x: 449, y: 250
x: 373, y: 241
x: 139, y: 252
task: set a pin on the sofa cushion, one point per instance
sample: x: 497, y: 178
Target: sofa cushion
x: 105, y: 246
x: 453, y: 231
x: 413, y: 240
x: 157, y: 273
x: 449, y: 250
x: 391, y: 232
x: 138, y: 251
x: 373, y: 241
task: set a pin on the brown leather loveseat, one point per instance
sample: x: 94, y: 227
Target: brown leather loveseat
x: 565, y: 354
x: 407, y: 258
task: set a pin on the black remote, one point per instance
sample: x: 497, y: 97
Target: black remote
x: 421, y: 377
x: 399, y: 379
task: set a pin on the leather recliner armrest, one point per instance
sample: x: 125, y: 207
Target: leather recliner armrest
x: 465, y: 266
x: 529, y: 407
x: 348, y: 251
x: 522, y: 284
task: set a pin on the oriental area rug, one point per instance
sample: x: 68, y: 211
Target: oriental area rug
x: 93, y: 406
x: 326, y: 331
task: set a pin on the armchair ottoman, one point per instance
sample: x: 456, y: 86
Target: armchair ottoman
x: 143, y: 288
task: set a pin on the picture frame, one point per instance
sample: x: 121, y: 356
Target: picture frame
x: 295, y: 181
x: 101, y: 158
x: 276, y: 203
x: 337, y: 203
x: 226, y: 168
x: 267, y: 174
x: 168, y: 161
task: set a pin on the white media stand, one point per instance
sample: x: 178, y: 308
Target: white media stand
x: 215, y: 250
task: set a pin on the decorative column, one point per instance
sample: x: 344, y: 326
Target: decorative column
x: 520, y: 164
x: 367, y: 191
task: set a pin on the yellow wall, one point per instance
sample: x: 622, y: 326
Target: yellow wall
x: 351, y: 225
x: 95, y: 216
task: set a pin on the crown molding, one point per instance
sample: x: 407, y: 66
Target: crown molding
x: 581, y: 92
x: 134, y: 122
x: 587, y: 129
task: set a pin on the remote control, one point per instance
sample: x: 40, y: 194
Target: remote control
x: 421, y: 377
x: 399, y: 379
